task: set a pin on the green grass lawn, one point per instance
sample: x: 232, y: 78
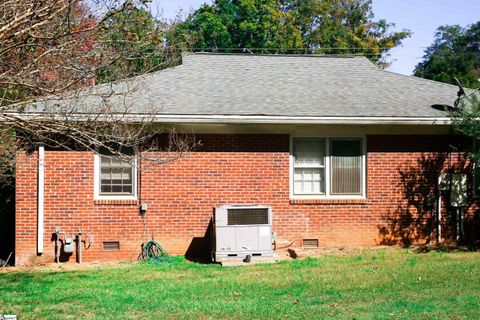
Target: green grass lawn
x: 372, y: 284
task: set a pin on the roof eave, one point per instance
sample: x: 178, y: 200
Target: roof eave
x: 235, y: 119
x: 249, y: 119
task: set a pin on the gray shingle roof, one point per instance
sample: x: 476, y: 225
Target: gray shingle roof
x: 300, y: 86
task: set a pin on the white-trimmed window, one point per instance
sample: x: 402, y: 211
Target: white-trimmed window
x: 115, y: 178
x: 309, y: 166
x: 327, y: 167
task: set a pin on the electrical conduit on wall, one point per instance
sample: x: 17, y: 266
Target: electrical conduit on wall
x: 40, y: 199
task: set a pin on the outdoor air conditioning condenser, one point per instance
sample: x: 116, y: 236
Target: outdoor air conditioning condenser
x: 241, y: 231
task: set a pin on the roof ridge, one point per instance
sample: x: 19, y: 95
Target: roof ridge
x: 293, y: 55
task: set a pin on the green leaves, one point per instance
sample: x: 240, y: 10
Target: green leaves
x: 230, y: 25
x: 465, y: 118
x: 346, y: 27
x: 290, y: 26
x: 455, y: 52
x: 134, y: 41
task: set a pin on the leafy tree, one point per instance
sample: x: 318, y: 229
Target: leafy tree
x: 238, y: 24
x: 290, y: 26
x: 455, y: 52
x: 465, y: 119
x: 135, y: 41
x: 344, y: 26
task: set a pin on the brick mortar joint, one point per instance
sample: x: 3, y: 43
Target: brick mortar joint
x: 327, y: 201
x: 116, y: 202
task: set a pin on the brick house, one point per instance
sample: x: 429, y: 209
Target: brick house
x: 343, y: 152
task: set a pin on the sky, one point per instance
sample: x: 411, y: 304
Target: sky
x: 422, y: 17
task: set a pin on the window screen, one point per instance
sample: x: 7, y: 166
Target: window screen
x: 309, y: 166
x: 346, y: 166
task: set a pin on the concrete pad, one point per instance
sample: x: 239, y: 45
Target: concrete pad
x: 233, y: 262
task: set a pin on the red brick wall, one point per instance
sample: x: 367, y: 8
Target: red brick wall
x: 229, y: 169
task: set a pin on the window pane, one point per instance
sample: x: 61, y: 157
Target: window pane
x: 106, y: 174
x: 105, y: 160
x: 116, y: 175
x: 309, y: 181
x: 117, y: 189
x: 127, y: 182
x: 117, y: 162
x: 127, y: 174
x: 346, y: 166
x: 309, y: 152
x: 106, y: 188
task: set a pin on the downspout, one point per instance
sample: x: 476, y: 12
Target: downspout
x: 439, y: 217
x: 40, y: 198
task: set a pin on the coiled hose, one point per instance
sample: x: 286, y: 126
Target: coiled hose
x: 152, y: 251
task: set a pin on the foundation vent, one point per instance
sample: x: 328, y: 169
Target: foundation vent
x: 111, y: 245
x: 310, y: 243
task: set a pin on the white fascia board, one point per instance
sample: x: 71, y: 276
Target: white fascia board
x: 301, y: 120
x: 260, y: 119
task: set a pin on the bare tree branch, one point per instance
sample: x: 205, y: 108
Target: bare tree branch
x: 53, y: 51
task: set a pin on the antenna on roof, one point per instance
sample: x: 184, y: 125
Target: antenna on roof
x: 460, y: 93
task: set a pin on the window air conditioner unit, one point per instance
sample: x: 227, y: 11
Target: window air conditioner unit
x: 241, y: 231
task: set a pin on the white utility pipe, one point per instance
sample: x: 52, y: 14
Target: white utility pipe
x: 41, y: 198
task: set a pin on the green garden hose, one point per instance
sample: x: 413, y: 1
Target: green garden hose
x: 154, y: 252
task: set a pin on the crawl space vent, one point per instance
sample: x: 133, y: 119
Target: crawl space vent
x: 247, y: 216
x: 310, y: 243
x: 111, y: 245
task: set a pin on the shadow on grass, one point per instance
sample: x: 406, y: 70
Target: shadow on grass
x: 443, y: 248
x: 199, y: 250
